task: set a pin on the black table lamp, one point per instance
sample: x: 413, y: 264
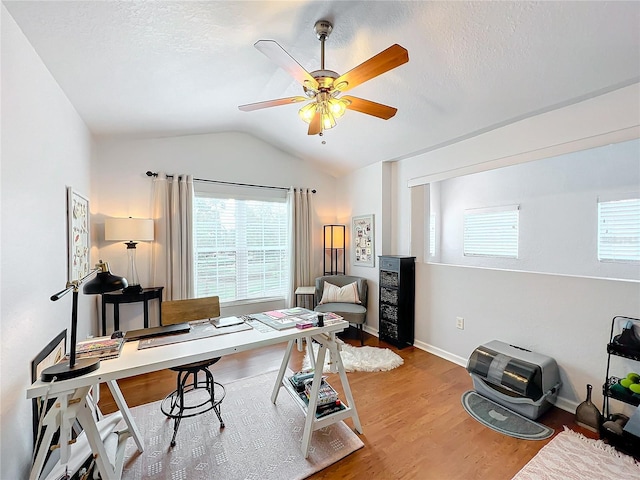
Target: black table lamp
x: 104, y: 282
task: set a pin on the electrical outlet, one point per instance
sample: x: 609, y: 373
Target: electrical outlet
x: 460, y: 323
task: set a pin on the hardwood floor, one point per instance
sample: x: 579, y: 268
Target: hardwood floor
x: 414, y: 424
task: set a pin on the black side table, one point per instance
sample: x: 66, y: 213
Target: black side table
x: 116, y: 298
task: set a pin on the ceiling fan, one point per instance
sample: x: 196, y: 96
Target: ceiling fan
x: 325, y: 86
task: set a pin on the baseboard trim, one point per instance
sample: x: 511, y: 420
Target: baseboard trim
x: 438, y: 352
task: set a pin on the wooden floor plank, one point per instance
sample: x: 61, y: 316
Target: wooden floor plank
x: 414, y: 424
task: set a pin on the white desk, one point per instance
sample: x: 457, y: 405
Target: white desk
x: 71, y: 394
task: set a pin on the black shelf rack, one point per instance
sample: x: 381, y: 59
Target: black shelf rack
x: 626, y: 442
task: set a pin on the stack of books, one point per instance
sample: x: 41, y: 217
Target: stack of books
x: 328, y: 401
x: 99, y: 347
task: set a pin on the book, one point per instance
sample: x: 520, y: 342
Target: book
x: 100, y: 355
x: 294, y: 311
x: 298, y: 379
x: 324, y: 407
x: 103, y: 348
x: 326, y: 393
x: 99, y: 345
x: 324, y: 410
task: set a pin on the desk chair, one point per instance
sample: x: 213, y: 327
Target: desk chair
x: 174, y: 405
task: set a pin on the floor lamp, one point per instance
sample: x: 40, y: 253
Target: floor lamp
x: 104, y: 282
x: 334, y: 248
x: 132, y: 230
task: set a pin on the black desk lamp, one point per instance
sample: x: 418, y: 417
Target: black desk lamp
x: 104, y: 282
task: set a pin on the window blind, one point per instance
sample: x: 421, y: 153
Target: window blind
x: 491, y: 232
x: 241, y: 249
x: 619, y: 231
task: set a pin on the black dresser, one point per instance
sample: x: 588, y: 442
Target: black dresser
x: 397, y: 299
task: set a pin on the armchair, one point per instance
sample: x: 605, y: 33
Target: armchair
x: 355, y: 313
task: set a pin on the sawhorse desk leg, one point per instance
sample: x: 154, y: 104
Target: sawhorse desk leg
x: 326, y: 343
x: 72, y: 405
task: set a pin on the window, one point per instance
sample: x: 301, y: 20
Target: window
x: 432, y: 234
x: 491, y: 232
x: 241, y: 247
x: 619, y: 231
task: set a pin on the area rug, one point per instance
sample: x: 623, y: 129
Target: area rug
x: 360, y: 359
x: 503, y: 420
x: 261, y: 440
x: 572, y: 456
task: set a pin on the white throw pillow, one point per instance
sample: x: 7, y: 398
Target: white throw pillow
x: 334, y: 294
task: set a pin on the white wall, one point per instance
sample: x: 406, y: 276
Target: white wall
x: 120, y: 189
x: 565, y: 317
x: 45, y: 147
x: 558, y: 209
x: 367, y: 191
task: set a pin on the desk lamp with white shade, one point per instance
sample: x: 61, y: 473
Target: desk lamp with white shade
x: 130, y: 230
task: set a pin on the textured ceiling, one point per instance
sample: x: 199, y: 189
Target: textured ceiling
x: 140, y: 69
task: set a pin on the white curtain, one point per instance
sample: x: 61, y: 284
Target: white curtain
x: 300, y: 241
x: 172, y: 257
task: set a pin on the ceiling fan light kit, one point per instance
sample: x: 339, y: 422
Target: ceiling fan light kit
x: 324, y: 87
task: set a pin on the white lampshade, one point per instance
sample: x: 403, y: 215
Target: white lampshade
x: 129, y: 229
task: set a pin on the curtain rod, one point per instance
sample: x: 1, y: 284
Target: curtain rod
x: 155, y: 174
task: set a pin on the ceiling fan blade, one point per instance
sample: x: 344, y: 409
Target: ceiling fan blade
x: 315, y: 125
x: 370, y: 108
x: 285, y: 61
x: 271, y: 103
x: 388, y: 59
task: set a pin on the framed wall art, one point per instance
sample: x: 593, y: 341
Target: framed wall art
x: 48, y: 356
x: 78, y: 235
x: 362, y: 241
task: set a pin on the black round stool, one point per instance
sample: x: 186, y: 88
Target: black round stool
x: 174, y: 405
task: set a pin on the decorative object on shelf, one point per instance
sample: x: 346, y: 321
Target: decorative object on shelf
x: 334, y: 249
x: 132, y: 230
x: 78, y: 238
x: 104, y: 281
x: 587, y: 414
x: 362, y: 240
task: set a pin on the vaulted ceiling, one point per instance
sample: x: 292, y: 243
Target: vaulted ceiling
x: 141, y: 69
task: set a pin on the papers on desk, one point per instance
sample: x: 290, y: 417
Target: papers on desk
x: 226, y: 321
x: 292, y: 317
x: 279, y: 323
x: 198, y: 330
